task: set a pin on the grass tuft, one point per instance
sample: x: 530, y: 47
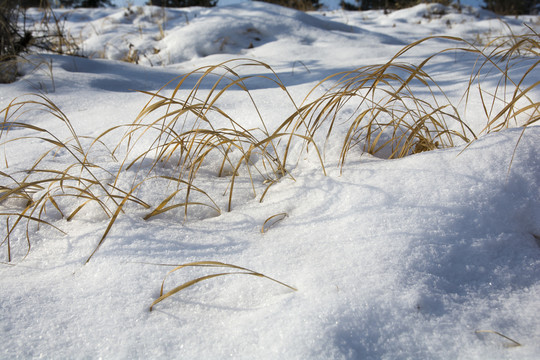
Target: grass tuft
x: 391, y: 115
x: 38, y: 193
x: 193, y: 134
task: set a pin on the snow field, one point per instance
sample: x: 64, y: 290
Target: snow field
x: 392, y: 259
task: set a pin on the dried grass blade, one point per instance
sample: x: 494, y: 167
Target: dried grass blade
x: 272, y: 220
x: 243, y: 271
x: 158, y: 209
x: 171, y: 207
x: 514, y: 342
x: 79, y: 208
x: 111, y: 222
x: 188, y: 284
x: 30, y: 218
x: 271, y: 182
x: 55, y: 204
x: 131, y: 197
x: 8, y: 240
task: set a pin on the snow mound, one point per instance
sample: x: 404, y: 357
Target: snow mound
x: 156, y: 36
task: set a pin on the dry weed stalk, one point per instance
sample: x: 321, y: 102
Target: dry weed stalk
x: 53, y: 35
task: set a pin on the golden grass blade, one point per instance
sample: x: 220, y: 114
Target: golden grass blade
x: 18, y: 192
x: 188, y: 284
x: 79, y: 208
x: 85, y: 193
x: 191, y: 187
x: 15, y: 124
x: 515, y: 149
x: 171, y: 207
x: 158, y: 209
x: 270, y: 183
x: 508, y: 107
x: 273, y: 220
x: 243, y: 271
x: 513, y: 344
x: 132, y: 198
x: 55, y: 204
x: 111, y: 222
x: 8, y: 240
x: 161, y: 208
x: 231, y: 188
x: 20, y: 216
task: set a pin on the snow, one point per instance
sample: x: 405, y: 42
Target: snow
x: 392, y: 259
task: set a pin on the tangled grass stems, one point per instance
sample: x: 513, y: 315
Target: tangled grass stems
x: 389, y: 117
x: 38, y: 189
x: 504, y: 54
x: 192, y: 128
x: 385, y: 105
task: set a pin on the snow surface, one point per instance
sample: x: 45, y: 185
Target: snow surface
x: 392, y: 259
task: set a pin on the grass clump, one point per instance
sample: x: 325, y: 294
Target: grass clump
x: 193, y: 134
x: 185, y: 144
x: 44, y: 192
x: 13, y: 40
x: 388, y: 117
x: 513, y: 102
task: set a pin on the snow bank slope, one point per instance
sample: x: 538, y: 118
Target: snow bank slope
x: 395, y: 259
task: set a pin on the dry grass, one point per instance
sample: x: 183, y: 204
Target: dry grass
x: 182, y: 135
x: 41, y: 192
x: 391, y: 120
x: 272, y: 220
x: 213, y: 264
x: 513, y: 343
x: 51, y: 35
x: 510, y: 103
x: 193, y: 133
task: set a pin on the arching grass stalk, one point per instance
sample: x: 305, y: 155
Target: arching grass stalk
x: 213, y: 264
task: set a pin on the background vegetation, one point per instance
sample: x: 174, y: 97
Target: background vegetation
x: 504, y: 7
x: 512, y: 7
x: 183, y: 3
x: 13, y: 39
x: 303, y: 5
